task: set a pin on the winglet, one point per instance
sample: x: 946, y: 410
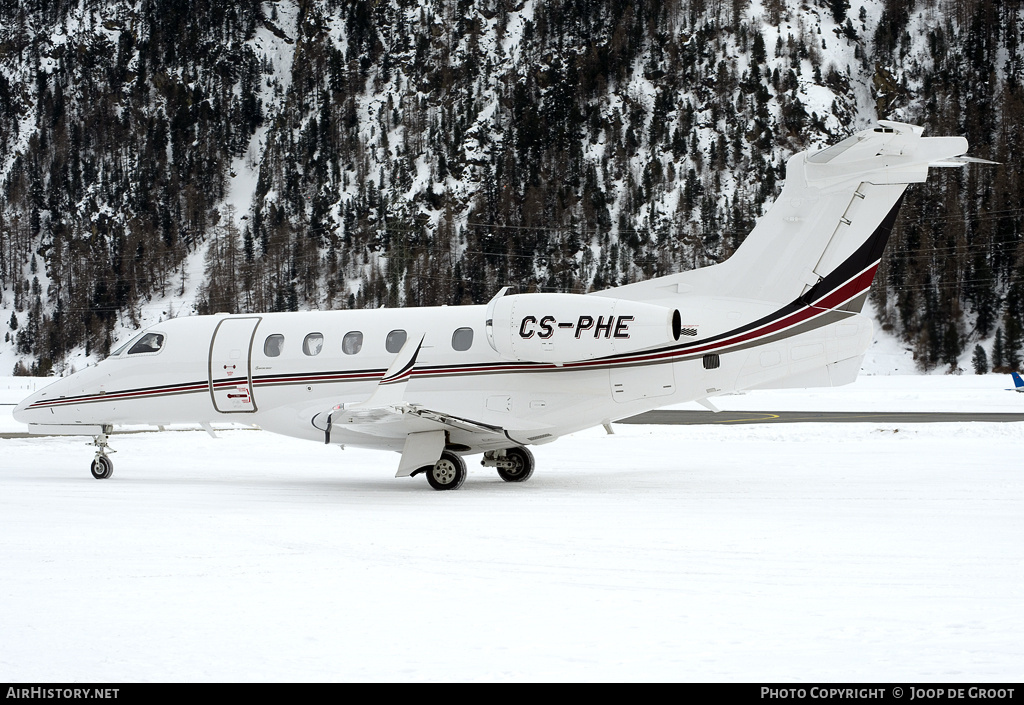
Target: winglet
x: 401, y: 368
x: 391, y: 388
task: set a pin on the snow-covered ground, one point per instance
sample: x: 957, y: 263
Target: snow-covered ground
x: 783, y: 553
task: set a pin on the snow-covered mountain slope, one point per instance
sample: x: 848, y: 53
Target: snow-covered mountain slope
x: 164, y: 157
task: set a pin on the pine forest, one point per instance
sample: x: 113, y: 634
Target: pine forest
x: 177, y: 157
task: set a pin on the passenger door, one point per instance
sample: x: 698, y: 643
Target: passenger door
x: 231, y: 365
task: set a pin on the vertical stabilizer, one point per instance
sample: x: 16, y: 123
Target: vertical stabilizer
x: 829, y: 225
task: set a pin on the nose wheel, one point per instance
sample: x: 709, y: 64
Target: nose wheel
x: 102, y: 466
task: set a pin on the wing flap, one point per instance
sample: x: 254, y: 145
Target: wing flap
x: 420, y: 449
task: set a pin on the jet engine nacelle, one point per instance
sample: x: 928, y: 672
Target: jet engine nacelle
x: 563, y: 328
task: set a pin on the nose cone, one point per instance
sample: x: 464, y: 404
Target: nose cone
x: 20, y: 411
x: 29, y: 410
x: 43, y: 406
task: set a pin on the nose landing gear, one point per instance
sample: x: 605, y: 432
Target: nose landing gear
x: 102, y: 466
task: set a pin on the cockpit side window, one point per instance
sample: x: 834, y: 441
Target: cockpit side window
x: 148, y: 343
x: 273, y: 345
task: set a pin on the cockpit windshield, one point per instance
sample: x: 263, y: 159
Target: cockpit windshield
x: 124, y: 346
x: 142, y: 343
x: 148, y: 343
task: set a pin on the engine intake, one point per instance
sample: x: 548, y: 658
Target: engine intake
x: 563, y: 328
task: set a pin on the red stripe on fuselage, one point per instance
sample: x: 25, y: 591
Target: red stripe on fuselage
x: 847, y: 291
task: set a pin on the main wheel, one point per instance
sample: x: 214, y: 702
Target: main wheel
x: 523, y: 464
x: 448, y: 473
x: 102, y: 467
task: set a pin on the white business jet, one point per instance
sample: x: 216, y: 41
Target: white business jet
x: 437, y: 384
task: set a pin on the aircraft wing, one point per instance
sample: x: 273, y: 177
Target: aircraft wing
x: 427, y: 432
x: 386, y: 414
x: 372, y: 419
x: 387, y: 405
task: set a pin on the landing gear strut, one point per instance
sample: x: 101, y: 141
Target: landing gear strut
x: 102, y: 466
x: 513, y: 464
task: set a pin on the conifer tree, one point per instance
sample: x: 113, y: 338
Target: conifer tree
x: 979, y: 360
x: 998, y: 352
x: 839, y: 8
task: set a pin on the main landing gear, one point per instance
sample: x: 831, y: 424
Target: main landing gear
x: 513, y: 464
x: 102, y: 466
x: 449, y: 472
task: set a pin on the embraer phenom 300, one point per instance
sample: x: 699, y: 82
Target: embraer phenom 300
x: 436, y: 384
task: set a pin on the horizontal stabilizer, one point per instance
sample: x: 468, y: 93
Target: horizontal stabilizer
x: 963, y: 161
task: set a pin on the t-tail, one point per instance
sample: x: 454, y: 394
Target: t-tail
x: 806, y: 268
x: 829, y: 225
x: 1018, y: 383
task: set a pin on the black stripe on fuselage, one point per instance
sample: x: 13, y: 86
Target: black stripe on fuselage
x: 865, y: 257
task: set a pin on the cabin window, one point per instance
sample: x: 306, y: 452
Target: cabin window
x: 352, y: 342
x: 313, y: 344
x: 395, y: 341
x: 274, y: 345
x: 462, y: 339
x: 149, y: 343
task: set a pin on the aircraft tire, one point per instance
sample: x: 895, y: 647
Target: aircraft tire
x: 523, y: 470
x: 102, y: 467
x: 448, y: 473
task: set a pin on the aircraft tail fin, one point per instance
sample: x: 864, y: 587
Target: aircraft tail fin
x: 834, y: 216
x: 828, y: 227
x: 1018, y: 383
